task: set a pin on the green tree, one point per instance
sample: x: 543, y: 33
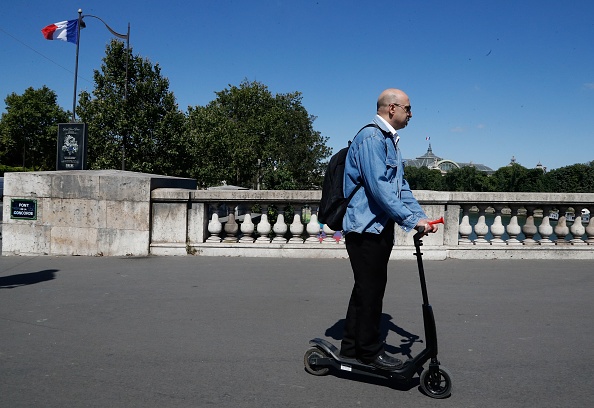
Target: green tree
x: 145, y: 120
x: 517, y: 178
x: 423, y: 178
x: 577, y: 178
x: 467, y: 178
x: 29, y: 129
x: 249, y: 137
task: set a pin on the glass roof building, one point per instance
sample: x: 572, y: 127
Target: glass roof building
x: 430, y: 160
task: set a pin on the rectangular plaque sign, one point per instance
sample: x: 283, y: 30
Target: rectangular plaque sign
x: 23, y: 209
x: 72, y: 146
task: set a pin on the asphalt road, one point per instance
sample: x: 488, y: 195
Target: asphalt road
x: 232, y: 332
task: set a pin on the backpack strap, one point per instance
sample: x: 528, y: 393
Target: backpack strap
x: 360, y: 184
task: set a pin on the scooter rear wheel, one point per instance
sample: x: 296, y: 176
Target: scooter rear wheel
x: 314, y: 352
x: 436, y: 383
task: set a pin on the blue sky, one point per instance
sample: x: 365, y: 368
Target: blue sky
x: 487, y: 80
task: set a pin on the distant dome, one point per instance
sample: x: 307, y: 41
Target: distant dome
x: 432, y: 161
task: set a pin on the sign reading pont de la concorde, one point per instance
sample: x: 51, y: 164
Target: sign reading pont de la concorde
x: 72, y: 146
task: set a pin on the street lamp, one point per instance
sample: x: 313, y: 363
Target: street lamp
x: 123, y: 37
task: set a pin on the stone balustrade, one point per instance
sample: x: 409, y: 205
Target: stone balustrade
x: 118, y: 213
x: 477, y: 225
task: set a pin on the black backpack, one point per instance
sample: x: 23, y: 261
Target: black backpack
x: 333, y: 204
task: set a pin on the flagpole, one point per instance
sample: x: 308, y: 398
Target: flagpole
x: 76, y: 65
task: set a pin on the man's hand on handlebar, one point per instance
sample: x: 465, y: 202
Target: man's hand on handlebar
x: 428, y: 226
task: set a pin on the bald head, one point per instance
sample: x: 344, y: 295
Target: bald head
x: 394, y: 106
x: 388, y: 97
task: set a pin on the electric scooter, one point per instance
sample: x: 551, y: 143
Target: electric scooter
x: 435, y: 381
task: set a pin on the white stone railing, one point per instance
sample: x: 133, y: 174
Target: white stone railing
x: 477, y: 225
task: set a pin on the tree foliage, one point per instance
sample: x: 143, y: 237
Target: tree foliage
x: 142, y: 116
x: 29, y: 129
x: 467, y: 178
x: 517, y: 178
x: 423, y: 178
x: 577, y: 178
x: 249, y: 137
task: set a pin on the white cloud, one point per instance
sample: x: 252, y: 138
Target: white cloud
x: 457, y: 129
x: 589, y: 85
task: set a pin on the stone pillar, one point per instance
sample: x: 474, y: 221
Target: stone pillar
x: 169, y: 228
x: 197, y: 223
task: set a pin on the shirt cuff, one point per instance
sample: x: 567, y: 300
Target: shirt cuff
x: 410, y: 222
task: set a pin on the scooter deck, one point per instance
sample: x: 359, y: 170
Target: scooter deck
x: 352, y: 365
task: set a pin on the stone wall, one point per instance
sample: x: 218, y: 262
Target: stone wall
x: 85, y: 212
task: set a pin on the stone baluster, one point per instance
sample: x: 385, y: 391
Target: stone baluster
x: 231, y: 228
x: 481, y: 229
x: 465, y: 229
x: 280, y: 229
x: 577, y: 230
x: 263, y: 228
x: 545, y: 229
x: 312, y: 229
x: 513, y: 228
x: 296, y: 229
x: 247, y: 229
x: 497, y: 229
x: 562, y: 230
x: 214, y: 228
x: 529, y: 229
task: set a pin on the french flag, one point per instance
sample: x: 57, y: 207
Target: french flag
x: 64, y: 30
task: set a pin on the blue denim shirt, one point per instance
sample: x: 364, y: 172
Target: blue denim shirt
x: 375, y: 161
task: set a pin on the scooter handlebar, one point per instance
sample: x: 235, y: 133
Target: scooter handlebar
x: 438, y: 221
x: 421, y: 230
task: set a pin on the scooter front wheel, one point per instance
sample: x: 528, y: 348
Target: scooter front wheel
x: 311, y: 368
x: 436, y: 383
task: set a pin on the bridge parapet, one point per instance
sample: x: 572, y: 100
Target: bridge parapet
x: 284, y: 224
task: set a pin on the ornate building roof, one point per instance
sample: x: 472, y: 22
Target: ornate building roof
x: 430, y: 160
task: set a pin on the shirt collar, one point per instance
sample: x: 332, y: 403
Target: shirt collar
x: 390, y: 129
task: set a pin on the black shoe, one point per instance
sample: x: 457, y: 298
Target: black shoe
x: 385, y: 362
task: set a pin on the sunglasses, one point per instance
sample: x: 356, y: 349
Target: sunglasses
x: 406, y: 108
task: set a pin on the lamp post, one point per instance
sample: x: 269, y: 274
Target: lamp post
x: 76, y: 65
x: 123, y: 37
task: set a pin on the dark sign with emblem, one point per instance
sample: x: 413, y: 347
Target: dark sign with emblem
x: 23, y: 209
x: 72, y: 146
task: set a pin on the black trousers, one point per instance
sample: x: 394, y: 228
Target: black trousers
x: 369, y: 255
